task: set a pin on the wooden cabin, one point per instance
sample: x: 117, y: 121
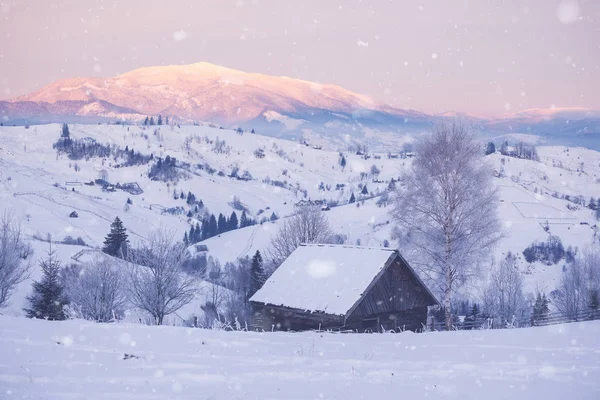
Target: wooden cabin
x: 342, y: 287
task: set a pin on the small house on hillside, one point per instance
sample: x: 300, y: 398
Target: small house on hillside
x: 342, y: 287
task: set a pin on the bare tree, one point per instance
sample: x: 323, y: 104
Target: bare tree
x: 14, y: 252
x: 577, y: 285
x: 158, y: 284
x: 569, y: 298
x: 307, y: 225
x: 445, y: 210
x: 503, y: 296
x: 96, y: 290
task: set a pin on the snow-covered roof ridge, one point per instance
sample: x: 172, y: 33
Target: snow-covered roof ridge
x: 324, y: 278
x: 347, y: 246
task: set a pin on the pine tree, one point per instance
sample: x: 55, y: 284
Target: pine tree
x: 213, y: 228
x: 117, y: 241
x: 167, y: 120
x: 222, y: 226
x: 352, y: 198
x: 233, y: 221
x: 490, y: 149
x: 159, y: 122
x: 273, y: 216
x: 192, y: 236
x: 364, y: 190
x: 343, y: 162
x: 65, y: 131
x: 146, y: 121
x: 257, y: 273
x: 151, y: 120
x: 186, y: 240
x: 392, y: 184
x: 48, y: 300
x: 129, y: 201
x: 204, y: 231
x: 244, y: 220
x: 592, y: 204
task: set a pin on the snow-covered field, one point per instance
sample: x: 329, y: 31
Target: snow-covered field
x: 42, y: 189
x: 77, y: 359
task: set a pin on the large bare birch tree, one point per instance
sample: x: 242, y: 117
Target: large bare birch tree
x: 446, y: 210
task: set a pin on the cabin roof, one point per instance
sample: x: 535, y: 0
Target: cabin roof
x: 324, y: 278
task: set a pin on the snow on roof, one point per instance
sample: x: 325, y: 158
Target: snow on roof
x: 326, y: 278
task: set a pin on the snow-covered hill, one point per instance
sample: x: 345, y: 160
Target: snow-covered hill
x: 42, y: 189
x: 58, y: 360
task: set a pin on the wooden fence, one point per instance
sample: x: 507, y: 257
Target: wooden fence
x: 550, y: 318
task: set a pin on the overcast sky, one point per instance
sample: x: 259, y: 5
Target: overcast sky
x: 480, y: 56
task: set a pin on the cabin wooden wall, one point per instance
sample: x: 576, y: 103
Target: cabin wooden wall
x: 269, y: 317
x: 410, y: 320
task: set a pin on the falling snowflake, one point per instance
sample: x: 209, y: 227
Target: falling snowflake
x: 179, y: 36
x: 568, y: 12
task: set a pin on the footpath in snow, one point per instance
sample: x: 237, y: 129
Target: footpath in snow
x: 83, y: 360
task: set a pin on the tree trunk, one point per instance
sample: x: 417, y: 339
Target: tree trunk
x: 447, y: 297
x: 448, y: 277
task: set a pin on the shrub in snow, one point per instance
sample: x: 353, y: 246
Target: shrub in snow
x: 96, y: 290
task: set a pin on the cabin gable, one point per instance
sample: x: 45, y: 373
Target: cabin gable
x: 396, y: 290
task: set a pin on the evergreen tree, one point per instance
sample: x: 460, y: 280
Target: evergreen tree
x: 198, y: 233
x: 167, y: 120
x: 244, y: 220
x: 193, y: 235
x: 233, y: 221
x: 204, y: 232
x: 273, y: 216
x: 146, y: 121
x: 190, y: 214
x: 598, y: 212
x: 186, y: 240
x: 490, y: 149
x: 352, y: 198
x: 117, y: 241
x: 129, y: 201
x: 343, y: 162
x: 252, y: 131
x: 592, y: 204
x: 213, y: 228
x: 65, y: 131
x: 151, y: 120
x: 222, y: 226
x: 159, y: 122
x: 257, y: 273
x: 364, y: 190
x: 392, y: 184
x: 48, y: 300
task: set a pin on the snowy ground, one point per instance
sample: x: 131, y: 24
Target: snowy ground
x: 77, y: 360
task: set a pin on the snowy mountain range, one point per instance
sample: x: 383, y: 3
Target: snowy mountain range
x: 276, y: 106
